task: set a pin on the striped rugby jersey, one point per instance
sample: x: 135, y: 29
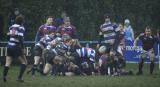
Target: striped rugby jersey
x: 109, y: 32
x: 70, y: 30
x: 45, y: 41
x: 86, y: 53
x: 61, y: 49
x: 44, y: 30
x: 16, y: 35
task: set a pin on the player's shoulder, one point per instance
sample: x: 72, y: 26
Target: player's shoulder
x: 60, y: 26
x: 73, y: 26
x: 17, y: 26
x: 42, y: 26
x: 102, y: 25
x: 141, y: 34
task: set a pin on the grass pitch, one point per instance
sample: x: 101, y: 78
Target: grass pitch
x: 145, y: 80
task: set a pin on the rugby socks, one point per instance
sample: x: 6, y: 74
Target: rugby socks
x: 5, y: 72
x: 22, y: 69
x: 151, y: 67
x: 116, y: 65
x: 54, y: 70
x: 77, y: 71
x: 41, y: 68
x: 34, y: 68
x: 62, y: 69
x: 141, y: 66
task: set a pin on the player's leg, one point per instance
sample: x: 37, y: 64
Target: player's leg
x: 116, y: 65
x: 6, y: 67
x: 141, y: 62
x: 37, y: 56
x: 112, y: 63
x: 152, y: 56
x: 41, y: 66
x: 47, y: 68
x: 36, y: 62
x: 10, y: 55
x: 49, y: 57
x: 23, y: 65
x: 122, y: 63
x: 61, y: 63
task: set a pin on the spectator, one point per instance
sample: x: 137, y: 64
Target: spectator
x: 13, y: 15
x: 129, y: 34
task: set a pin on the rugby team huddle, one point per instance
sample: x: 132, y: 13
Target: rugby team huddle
x: 57, y: 50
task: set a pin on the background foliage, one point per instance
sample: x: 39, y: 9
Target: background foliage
x: 86, y: 15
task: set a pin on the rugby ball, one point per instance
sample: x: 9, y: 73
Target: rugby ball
x: 102, y: 49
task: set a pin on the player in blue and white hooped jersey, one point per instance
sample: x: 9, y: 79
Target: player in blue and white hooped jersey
x: 108, y: 33
x: 38, y: 51
x: 45, y: 28
x: 85, y: 59
x: 15, y: 47
x: 55, y: 54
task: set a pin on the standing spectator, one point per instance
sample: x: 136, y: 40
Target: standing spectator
x: 129, y: 34
x: 148, y: 41
x: 15, y: 47
x: 13, y: 16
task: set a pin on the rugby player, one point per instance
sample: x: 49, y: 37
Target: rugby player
x: 15, y: 47
x: 148, y: 41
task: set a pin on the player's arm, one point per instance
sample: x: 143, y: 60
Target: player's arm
x: 158, y: 36
x: 74, y: 33
x: 100, y: 39
x: 132, y: 33
x: 21, y: 37
x: 8, y: 36
x: 37, y: 38
x: 136, y: 40
x: 58, y: 32
x: 38, y: 34
x: 135, y: 43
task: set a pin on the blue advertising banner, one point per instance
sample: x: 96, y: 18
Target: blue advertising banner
x: 133, y: 55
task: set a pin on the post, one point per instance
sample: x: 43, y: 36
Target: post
x: 159, y: 56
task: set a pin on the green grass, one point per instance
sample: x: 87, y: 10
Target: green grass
x: 145, y: 80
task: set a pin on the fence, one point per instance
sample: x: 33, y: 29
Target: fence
x: 131, y: 55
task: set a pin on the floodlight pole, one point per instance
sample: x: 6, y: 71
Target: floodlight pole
x: 159, y: 56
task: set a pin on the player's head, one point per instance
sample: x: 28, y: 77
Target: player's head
x: 67, y: 39
x: 19, y: 20
x: 148, y: 30
x: 67, y: 21
x: 120, y: 26
x: 16, y: 11
x: 63, y: 14
x: 107, y: 17
x: 49, y: 20
x: 126, y: 22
